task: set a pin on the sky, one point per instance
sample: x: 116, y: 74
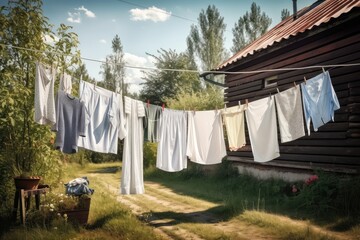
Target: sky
x: 146, y: 26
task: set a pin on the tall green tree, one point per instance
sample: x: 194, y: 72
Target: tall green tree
x: 249, y: 27
x: 25, y: 145
x: 206, y: 40
x: 114, y: 70
x: 284, y: 14
x: 160, y: 85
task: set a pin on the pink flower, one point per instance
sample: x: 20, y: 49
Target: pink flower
x: 311, y: 179
x: 294, y: 189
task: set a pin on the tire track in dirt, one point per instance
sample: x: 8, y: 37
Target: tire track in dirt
x: 161, y: 225
x: 151, y: 204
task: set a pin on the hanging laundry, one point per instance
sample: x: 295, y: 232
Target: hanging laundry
x: 262, y: 126
x: 290, y: 114
x: 152, y: 122
x: 132, y: 181
x: 44, y: 95
x: 319, y: 100
x: 102, y: 118
x: 65, y: 83
x: 235, y: 126
x: 171, y: 151
x: 206, y: 144
x: 70, y: 122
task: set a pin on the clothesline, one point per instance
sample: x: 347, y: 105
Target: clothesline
x: 196, y: 71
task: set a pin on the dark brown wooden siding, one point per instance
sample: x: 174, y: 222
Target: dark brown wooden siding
x: 336, y: 146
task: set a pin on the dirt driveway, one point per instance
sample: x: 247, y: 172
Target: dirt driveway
x: 176, y: 216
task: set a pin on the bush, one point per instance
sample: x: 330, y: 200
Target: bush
x: 329, y: 193
x: 150, y: 150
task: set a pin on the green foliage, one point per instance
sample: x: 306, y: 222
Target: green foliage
x: 206, y: 39
x: 249, y: 27
x: 114, y: 70
x: 150, y: 150
x: 205, y: 99
x: 284, y: 14
x: 27, y: 146
x: 330, y: 193
x: 161, y: 85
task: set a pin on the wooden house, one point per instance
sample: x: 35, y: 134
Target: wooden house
x: 325, y: 33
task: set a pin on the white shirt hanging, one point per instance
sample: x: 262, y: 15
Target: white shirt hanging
x: 102, y: 118
x: 44, y: 95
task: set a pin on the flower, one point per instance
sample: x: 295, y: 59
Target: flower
x: 294, y: 189
x: 311, y: 179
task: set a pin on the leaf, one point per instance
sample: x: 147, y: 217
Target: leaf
x: 12, y: 121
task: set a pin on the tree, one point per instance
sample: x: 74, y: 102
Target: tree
x: 25, y: 145
x: 160, y: 85
x: 284, y: 14
x: 114, y: 70
x: 206, y: 40
x: 249, y: 27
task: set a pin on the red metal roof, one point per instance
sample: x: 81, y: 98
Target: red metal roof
x: 308, y: 18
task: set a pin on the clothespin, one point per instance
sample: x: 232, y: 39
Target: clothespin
x: 294, y: 84
x: 247, y: 102
x: 305, y: 79
x: 225, y: 106
x: 239, y: 104
x: 81, y: 77
x: 147, y: 103
x: 163, y: 106
x: 95, y: 84
x: 323, y: 69
x: 278, y: 90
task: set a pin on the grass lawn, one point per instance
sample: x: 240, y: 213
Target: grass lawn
x: 108, y: 219
x: 189, y: 205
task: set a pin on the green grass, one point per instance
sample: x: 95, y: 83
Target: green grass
x: 108, y: 218
x: 242, y: 196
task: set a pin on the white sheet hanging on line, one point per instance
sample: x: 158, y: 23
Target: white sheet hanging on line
x: 103, y: 118
x: 261, y: 122
x: 44, y: 95
x: 132, y: 179
x: 290, y: 114
x: 319, y: 100
x: 235, y: 126
x: 206, y: 144
x: 65, y: 83
x: 171, y: 151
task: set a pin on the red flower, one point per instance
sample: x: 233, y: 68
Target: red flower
x: 311, y: 179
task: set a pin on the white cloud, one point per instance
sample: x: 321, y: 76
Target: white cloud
x: 113, y: 20
x: 152, y: 13
x: 87, y: 12
x: 74, y: 17
x: 103, y: 41
x: 134, y: 76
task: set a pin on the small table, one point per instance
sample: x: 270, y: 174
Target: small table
x: 21, y: 195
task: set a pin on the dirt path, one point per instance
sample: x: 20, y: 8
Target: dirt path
x: 175, y: 216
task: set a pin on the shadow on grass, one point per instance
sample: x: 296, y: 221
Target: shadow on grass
x: 109, y: 170
x: 170, y: 218
x: 237, y: 193
x: 101, y: 221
